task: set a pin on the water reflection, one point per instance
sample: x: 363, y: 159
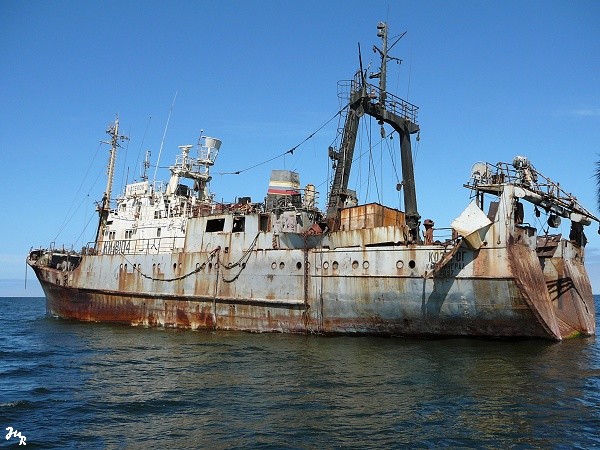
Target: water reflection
x: 102, y: 386
x: 235, y: 389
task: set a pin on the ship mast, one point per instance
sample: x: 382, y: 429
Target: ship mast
x: 386, y: 108
x: 115, y: 139
x: 113, y: 132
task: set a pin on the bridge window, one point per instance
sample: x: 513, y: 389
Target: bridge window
x: 238, y: 224
x: 264, y: 222
x: 214, y: 225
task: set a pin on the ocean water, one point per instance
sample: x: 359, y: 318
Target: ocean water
x: 65, y: 385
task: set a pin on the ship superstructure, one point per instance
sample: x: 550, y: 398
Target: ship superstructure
x: 172, y: 256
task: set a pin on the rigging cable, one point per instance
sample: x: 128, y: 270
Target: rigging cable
x: 381, y: 163
x: 334, y: 144
x: 393, y: 160
x: 67, y: 217
x: 87, y: 198
x: 360, y: 169
x: 164, y: 135
x: 416, y: 152
x: 290, y: 151
x: 124, y: 179
x: 355, y: 159
x: 372, y: 164
x: 84, y: 228
x: 369, y: 162
x: 137, y: 161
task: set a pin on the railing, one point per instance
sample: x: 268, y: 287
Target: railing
x: 193, y: 165
x: 526, y: 176
x: 155, y: 187
x: 442, y: 235
x: 402, y: 108
x: 522, y: 173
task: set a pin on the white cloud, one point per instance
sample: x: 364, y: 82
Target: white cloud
x: 589, y: 112
x: 577, y: 113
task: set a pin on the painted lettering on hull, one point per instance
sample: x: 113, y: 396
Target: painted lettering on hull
x: 116, y: 247
x: 452, y: 268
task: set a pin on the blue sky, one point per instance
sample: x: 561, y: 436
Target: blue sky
x: 492, y: 79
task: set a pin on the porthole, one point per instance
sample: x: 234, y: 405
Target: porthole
x: 298, y: 265
x: 174, y: 266
x: 273, y: 265
x: 121, y: 267
x: 281, y: 265
x: 209, y: 266
x: 335, y: 265
x: 365, y: 264
x: 355, y: 264
x: 411, y: 264
x: 197, y: 266
x: 399, y: 264
x: 325, y: 265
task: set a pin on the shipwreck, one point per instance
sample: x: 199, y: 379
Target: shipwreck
x: 169, y: 255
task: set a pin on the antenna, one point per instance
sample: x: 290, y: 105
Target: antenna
x: 164, y: 135
x: 362, y: 73
x: 382, y: 32
x: 137, y: 161
x: 145, y: 166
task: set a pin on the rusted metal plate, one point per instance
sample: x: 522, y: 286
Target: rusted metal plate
x: 531, y: 283
x: 368, y: 236
x: 359, y: 291
x: 372, y: 215
x: 570, y: 292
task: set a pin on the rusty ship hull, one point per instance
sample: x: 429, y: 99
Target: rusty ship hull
x: 503, y: 291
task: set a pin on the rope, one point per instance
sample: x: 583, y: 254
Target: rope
x: 240, y: 262
x: 198, y: 269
